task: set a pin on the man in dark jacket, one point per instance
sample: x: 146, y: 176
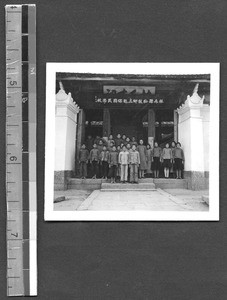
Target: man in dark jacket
x: 83, y: 160
x: 113, y: 164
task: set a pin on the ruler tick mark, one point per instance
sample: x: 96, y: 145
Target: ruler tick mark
x: 13, y: 12
x: 13, y: 87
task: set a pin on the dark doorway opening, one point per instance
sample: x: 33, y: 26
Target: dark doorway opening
x: 128, y: 122
x: 164, y: 126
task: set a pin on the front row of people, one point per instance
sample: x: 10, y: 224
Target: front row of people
x: 131, y: 163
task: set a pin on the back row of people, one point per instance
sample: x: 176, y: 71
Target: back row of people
x: 105, y: 156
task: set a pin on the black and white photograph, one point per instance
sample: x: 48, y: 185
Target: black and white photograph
x: 132, y: 141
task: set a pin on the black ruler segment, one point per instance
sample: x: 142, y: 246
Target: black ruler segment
x: 25, y: 47
x: 24, y: 106
x: 25, y: 19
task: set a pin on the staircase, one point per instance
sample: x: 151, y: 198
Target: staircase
x: 144, y: 184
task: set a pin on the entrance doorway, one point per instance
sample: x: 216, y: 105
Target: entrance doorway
x: 164, y: 126
x: 131, y: 122
x: 128, y: 122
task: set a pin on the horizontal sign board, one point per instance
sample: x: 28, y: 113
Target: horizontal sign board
x: 128, y: 100
x: 128, y: 90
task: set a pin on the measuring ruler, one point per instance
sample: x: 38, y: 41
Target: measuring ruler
x: 21, y: 150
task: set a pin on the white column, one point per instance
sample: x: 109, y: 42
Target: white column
x: 175, y: 121
x: 205, y: 113
x: 191, y: 137
x: 65, y: 137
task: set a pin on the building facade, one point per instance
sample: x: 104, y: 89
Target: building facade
x: 153, y: 108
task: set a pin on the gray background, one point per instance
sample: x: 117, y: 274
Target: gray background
x: 125, y: 260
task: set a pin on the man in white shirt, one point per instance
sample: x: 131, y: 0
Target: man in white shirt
x: 124, y: 161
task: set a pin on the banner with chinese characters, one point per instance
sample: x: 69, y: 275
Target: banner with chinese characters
x: 128, y: 100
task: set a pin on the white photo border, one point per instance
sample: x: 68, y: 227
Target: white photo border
x: 133, y: 68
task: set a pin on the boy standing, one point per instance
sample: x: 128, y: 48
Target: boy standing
x: 178, y: 156
x: 100, y: 148
x: 104, y: 161
x: 123, y: 161
x: 118, y: 140
x: 94, y: 158
x: 134, y: 162
x: 83, y: 160
x: 113, y: 163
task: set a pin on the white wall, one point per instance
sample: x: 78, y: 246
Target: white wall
x: 60, y: 142
x: 193, y: 131
x: 185, y: 140
x: 65, y: 132
x: 205, y: 113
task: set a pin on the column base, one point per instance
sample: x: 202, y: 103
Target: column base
x: 197, y: 180
x: 61, y: 179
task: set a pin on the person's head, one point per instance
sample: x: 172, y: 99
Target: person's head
x: 124, y: 148
x: 178, y: 145
x: 141, y: 142
x: 156, y: 144
x: 118, y: 148
x: 148, y: 146
x: 173, y: 144
x: 110, y: 137
x: 104, y: 148
x: 83, y: 146
x: 167, y: 145
x: 100, y: 142
x: 124, y: 136
x: 122, y: 145
x: 133, y: 139
x: 127, y: 139
x: 133, y: 147
x: 111, y: 144
x: 118, y: 136
x: 128, y: 146
x: 114, y: 148
x: 95, y: 146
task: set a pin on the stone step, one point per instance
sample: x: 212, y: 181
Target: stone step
x: 85, y: 184
x: 170, y: 183
x: 127, y: 186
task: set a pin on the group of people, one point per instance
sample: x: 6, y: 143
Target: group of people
x: 128, y: 160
